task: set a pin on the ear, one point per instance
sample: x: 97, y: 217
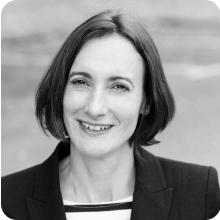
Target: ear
x: 145, y: 108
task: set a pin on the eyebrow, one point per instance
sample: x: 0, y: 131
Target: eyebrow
x: 87, y: 75
x: 112, y: 78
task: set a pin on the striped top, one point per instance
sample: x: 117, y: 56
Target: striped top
x: 117, y: 210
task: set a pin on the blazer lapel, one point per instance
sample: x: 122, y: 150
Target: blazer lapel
x: 46, y: 202
x: 151, y: 199
x: 38, y: 209
x: 45, y: 210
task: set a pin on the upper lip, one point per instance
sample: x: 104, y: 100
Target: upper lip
x: 95, y: 124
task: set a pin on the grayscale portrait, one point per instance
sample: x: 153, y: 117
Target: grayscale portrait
x: 110, y: 110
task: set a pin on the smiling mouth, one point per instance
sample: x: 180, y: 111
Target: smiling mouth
x: 94, y: 128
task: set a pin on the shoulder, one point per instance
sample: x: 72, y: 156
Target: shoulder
x: 19, y: 179
x: 195, y: 183
x: 188, y: 173
x: 187, y: 170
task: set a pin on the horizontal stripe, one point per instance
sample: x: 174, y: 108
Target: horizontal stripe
x: 127, y: 199
x: 110, y: 215
x: 98, y: 208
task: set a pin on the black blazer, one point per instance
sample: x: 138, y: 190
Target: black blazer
x: 164, y: 189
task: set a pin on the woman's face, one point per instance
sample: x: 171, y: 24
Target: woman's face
x: 103, y: 96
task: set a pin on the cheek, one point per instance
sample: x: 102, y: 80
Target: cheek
x: 72, y: 102
x: 129, y: 105
x: 127, y: 111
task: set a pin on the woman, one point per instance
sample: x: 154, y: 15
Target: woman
x: 105, y: 96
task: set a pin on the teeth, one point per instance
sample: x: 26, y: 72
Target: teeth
x: 96, y: 128
x: 86, y: 125
x: 91, y: 127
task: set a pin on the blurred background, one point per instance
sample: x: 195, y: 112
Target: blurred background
x: 187, y: 34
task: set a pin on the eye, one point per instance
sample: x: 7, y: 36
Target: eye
x: 79, y: 82
x: 120, y: 87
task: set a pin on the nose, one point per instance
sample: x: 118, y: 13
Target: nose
x: 96, y: 105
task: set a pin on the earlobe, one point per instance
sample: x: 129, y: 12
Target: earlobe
x: 145, y: 108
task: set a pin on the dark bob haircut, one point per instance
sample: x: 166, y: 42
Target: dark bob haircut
x: 50, y: 93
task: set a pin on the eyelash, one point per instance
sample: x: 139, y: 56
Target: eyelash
x: 81, y: 82
x: 122, y: 87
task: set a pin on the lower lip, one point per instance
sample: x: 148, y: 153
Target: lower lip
x: 93, y: 132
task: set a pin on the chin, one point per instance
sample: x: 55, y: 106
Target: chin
x: 97, y: 150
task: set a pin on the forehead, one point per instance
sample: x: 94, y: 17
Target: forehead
x: 109, y: 54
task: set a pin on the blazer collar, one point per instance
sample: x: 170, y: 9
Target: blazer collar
x: 151, y: 199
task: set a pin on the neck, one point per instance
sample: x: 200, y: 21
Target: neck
x: 85, y: 179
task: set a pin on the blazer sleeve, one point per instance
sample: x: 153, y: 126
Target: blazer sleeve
x: 213, y: 194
